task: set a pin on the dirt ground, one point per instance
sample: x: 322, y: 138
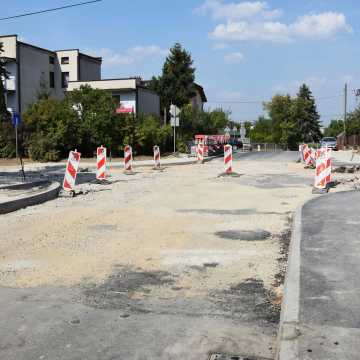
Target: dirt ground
x: 181, y: 242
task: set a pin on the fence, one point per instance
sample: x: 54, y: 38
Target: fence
x: 265, y: 147
x: 352, y: 141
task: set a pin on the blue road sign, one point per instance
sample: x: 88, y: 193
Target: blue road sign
x: 16, y: 120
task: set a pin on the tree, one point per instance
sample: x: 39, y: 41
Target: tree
x: 308, y: 119
x: 335, y: 128
x: 50, y: 130
x: 262, y: 131
x: 3, y: 76
x: 281, y: 113
x: 178, y: 75
x: 96, y: 117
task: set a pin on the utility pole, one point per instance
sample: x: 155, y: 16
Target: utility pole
x: 345, y: 107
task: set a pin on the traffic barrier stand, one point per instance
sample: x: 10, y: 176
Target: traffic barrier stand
x: 157, y: 158
x: 101, y: 164
x: 301, y: 147
x: 71, y: 171
x: 322, y: 173
x: 228, y: 162
x: 200, y: 152
x: 128, y: 160
x: 308, y: 157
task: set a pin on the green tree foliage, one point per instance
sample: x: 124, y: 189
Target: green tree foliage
x: 281, y: 113
x: 3, y: 76
x: 84, y: 120
x: 353, y: 122
x: 335, y: 128
x: 178, y: 75
x: 294, y: 120
x: 50, y: 129
x: 261, y: 131
x: 308, y: 119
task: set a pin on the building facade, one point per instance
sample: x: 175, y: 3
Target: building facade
x: 33, y: 69
x: 130, y: 94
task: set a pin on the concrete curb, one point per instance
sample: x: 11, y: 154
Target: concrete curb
x: 50, y: 192
x: 287, y: 341
x: 150, y: 164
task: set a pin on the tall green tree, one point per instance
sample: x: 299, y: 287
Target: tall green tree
x: 3, y: 76
x: 178, y: 75
x: 307, y: 116
x: 281, y: 113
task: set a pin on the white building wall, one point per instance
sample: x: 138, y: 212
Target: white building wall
x: 9, y: 46
x: 72, y: 67
x: 148, y: 102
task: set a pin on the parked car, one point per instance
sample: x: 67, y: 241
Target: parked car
x: 329, y: 142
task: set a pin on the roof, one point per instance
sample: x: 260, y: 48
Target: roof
x: 37, y: 48
x: 200, y: 89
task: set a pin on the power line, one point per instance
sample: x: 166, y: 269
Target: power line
x: 50, y: 10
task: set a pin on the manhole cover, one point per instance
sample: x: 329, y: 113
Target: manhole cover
x: 234, y: 357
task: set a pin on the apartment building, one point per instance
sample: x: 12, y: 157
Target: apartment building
x: 30, y: 68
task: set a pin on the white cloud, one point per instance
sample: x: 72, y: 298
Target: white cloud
x: 131, y: 56
x: 246, y: 20
x: 243, y: 30
x: 321, y: 25
x: 237, y: 10
x: 235, y: 57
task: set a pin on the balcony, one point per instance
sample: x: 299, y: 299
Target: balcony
x: 10, y: 84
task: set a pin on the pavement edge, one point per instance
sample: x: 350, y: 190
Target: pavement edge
x: 289, y: 330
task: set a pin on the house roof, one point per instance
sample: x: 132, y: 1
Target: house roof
x: 200, y: 89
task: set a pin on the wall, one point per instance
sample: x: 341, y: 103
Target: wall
x: 89, y: 69
x: 196, y: 101
x: 34, y: 66
x: 72, y: 67
x: 9, y: 46
x: 149, y: 102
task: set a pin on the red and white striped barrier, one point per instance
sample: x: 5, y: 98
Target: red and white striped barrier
x: 101, y: 163
x: 157, y: 163
x: 71, y: 171
x: 228, y: 159
x: 128, y: 158
x: 200, y: 152
x: 308, y: 156
x: 325, y: 151
x: 323, y: 170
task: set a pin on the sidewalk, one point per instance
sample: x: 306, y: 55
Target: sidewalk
x: 321, y: 308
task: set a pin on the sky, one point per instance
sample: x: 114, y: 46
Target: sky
x: 244, y: 52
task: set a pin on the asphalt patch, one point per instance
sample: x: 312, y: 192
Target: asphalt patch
x: 250, y: 301
x: 118, y: 291
x: 257, y: 235
x: 276, y: 181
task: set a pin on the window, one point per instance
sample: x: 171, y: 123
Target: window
x: 51, y: 60
x: 64, y: 79
x: 116, y: 100
x: 64, y: 60
x: 52, y: 79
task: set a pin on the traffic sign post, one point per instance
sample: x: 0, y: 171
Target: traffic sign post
x: 174, y: 121
x: 16, y: 120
